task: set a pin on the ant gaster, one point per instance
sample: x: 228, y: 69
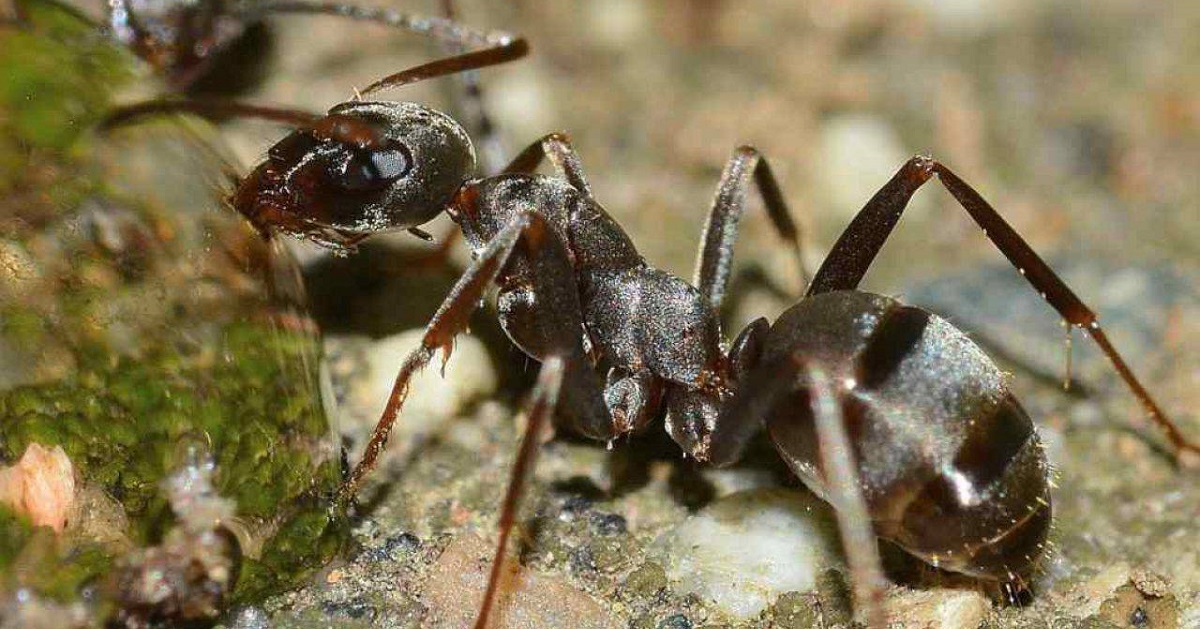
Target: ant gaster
x: 887, y: 411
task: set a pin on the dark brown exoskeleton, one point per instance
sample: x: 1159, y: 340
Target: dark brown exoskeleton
x: 886, y: 410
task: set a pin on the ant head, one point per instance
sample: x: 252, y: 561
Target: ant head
x: 363, y: 168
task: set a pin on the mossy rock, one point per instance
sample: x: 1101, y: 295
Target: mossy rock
x: 168, y: 324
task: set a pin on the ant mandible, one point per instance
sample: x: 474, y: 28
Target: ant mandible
x: 886, y: 410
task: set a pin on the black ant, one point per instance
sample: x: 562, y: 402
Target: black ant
x: 886, y: 410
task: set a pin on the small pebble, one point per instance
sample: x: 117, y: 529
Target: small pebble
x: 795, y: 611
x: 678, y: 621
x: 40, y: 486
x: 250, y: 618
x: 528, y: 599
x: 573, y: 507
x: 403, y: 543
x: 608, y: 524
x: 647, y: 581
x: 582, y: 560
x: 1150, y: 583
x: 745, y: 550
x: 940, y: 609
x: 355, y: 608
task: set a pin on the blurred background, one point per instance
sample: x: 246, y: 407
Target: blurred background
x: 1080, y: 122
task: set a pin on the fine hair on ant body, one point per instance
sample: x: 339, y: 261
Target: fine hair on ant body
x: 885, y: 410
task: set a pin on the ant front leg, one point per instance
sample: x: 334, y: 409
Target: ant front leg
x: 854, y: 251
x: 530, y: 264
x: 450, y: 319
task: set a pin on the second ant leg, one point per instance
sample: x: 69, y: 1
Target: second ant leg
x: 557, y: 148
x: 854, y: 251
x: 538, y: 411
x: 743, y: 416
x: 715, y: 261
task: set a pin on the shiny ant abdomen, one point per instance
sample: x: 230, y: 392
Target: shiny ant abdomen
x: 889, y: 412
x: 967, y: 496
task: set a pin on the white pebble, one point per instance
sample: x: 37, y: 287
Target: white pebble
x: 858, y: 154
x: 432, y: 399
x: 745, y: 550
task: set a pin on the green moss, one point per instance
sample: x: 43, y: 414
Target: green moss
x: 125, y: 425
x: 305, y: 542
x: 59, y: 76
x: 146, y: 381
x: 14, y: 532
x: 121, y: 424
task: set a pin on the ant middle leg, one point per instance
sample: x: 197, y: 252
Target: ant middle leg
x: 557, y: 148
x: 538, y: 411
x: 745, y: 415
x: 715, y: 261
x: 862, y: 240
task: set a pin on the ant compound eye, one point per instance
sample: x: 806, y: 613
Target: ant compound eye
x: 367, y: 170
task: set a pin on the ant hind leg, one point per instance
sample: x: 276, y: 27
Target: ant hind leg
x: 862, y: 240
x: 845, y: 494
